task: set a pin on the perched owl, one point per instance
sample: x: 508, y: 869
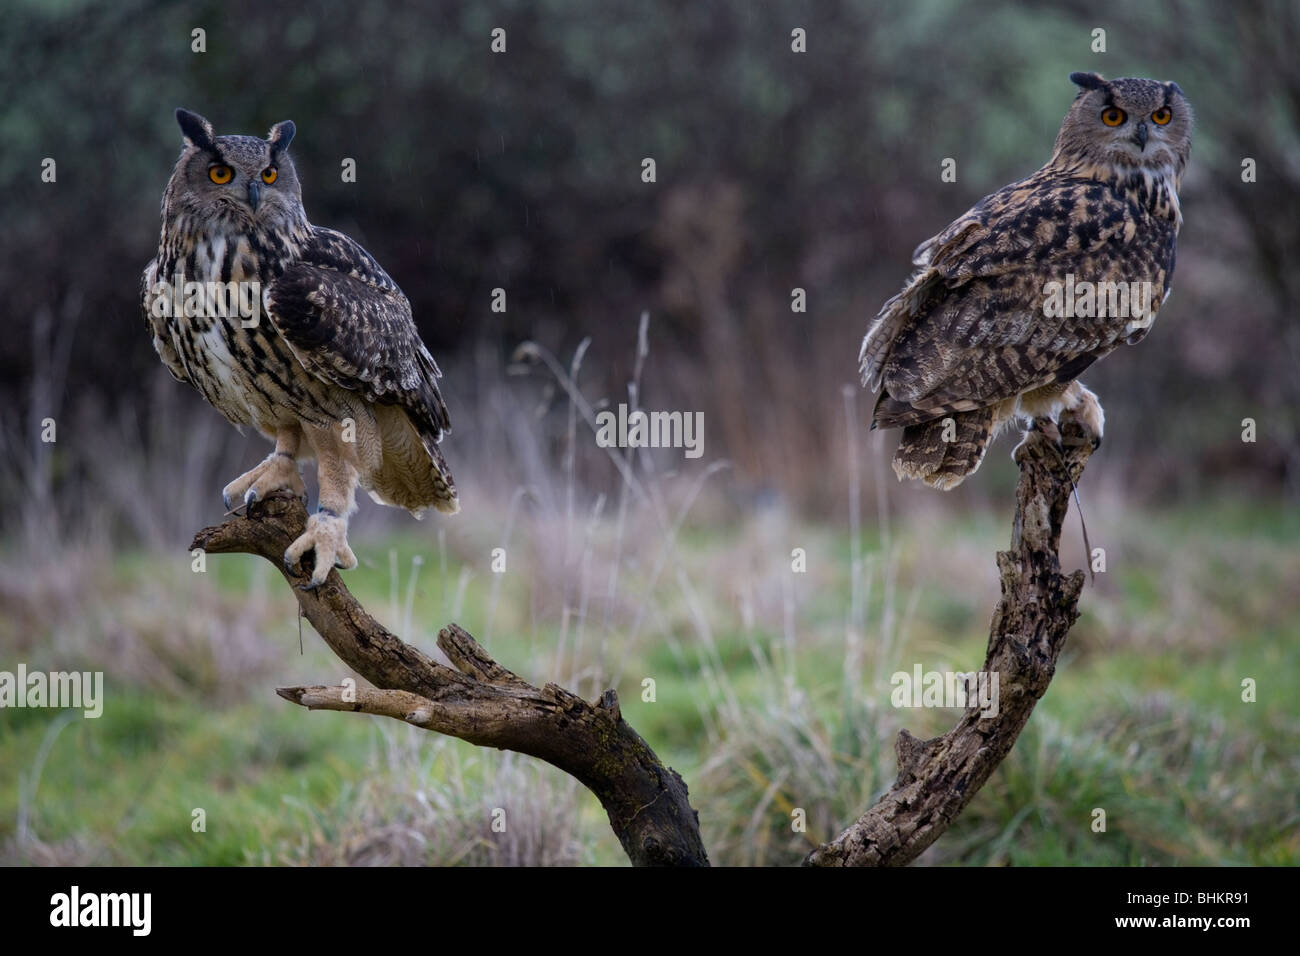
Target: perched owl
x: 1013, y: 301
x: 295, y: 330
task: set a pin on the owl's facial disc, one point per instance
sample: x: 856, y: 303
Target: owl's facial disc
x: 256, y: 181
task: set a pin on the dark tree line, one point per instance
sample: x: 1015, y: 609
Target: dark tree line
x: 775, y: 170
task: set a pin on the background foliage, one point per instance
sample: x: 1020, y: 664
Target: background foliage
x: 775, y: 170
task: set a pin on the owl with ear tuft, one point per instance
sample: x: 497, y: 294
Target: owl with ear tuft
x: 297, y: 331
x: 1019, y: 296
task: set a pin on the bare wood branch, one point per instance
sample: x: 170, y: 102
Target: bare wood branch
x: 479, y: 701
x: 937, y: 778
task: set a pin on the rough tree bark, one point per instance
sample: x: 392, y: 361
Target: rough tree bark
x: 482, y: 702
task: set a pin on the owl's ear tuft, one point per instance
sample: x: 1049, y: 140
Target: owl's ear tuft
x: 197, y: 130
x: 281, y: 136
x: 1173, y: 87
x: 1088, y: 81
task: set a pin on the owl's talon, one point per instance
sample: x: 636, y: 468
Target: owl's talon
x: 326, y: 535
x: 1090, y: 413
x: 1050, y: 431
x: 278, y: 471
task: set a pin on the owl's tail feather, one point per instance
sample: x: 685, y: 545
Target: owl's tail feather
x: 943, y: 451
x: 444, y: 488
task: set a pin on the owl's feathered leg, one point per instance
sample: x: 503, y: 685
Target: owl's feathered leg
x: 327, y: 529
x: 278, y: 470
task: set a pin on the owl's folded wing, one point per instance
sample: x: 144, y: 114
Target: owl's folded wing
x: 348, y: 323
x: 971, y: 328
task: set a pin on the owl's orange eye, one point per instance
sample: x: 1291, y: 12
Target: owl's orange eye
x: 1162, y: 116
x: 269, y: 175
x: 220, y: 174
x: 1113, y: 116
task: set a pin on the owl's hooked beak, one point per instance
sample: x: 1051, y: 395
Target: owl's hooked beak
x: 1139, y: 139
x: 255, y: 194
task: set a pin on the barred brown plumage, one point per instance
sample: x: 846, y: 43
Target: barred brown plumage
x: 978, y: 338
x: 329, y: 364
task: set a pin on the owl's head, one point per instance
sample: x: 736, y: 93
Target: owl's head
x: 1126, y: 123
x: 242, y: 181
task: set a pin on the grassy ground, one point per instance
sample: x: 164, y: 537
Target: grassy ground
x: 771, y: 694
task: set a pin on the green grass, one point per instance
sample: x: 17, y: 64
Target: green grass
x: 129, y: 781
x: 1144, y: 720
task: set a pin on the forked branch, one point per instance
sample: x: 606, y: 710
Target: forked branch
x: 480, y: 701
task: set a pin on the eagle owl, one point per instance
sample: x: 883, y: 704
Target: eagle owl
x: 321, y: 355
x: 1021, y: 294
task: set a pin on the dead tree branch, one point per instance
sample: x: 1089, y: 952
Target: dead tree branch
x: 479, y: 701
x: 482, y: 702
x: 937, y: 778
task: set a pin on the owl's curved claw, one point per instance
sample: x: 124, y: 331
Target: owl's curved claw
x: 294, y: 567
